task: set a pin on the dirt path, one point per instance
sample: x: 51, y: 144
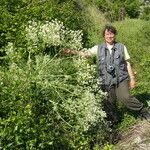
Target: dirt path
x: 137, y: 138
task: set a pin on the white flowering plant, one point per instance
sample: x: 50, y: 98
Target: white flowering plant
x: 88, y: 107
x: 40, y: 35
x: 47, y: 98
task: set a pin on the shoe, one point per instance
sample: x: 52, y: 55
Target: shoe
x: 146, y: 115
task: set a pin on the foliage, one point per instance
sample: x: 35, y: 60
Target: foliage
x: 48, y: 37
x: 108, y: 147
x: 145, y: 11
x: 87, y: 16
x: 96, y: 21
x: 17, y: 13
x: 43, y: 104
x: 128, y: 121
x: 49, y: 101
x: 119, y: 9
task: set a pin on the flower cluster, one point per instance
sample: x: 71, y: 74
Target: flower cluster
x: 47, y: 34
x: 12, y: 53
x: 87, y: 107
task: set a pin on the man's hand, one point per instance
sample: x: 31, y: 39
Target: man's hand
x: 132, y: 83
x: 66, y: 51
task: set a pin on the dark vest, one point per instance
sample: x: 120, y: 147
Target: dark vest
x: 112, y: 68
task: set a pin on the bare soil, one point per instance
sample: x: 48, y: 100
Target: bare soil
x: 136, y: 138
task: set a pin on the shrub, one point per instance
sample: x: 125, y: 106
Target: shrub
x: 49, y: 101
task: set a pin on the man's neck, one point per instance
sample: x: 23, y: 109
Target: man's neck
x: 109, y: 44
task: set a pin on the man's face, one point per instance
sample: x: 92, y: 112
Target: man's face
x: 109, y: 37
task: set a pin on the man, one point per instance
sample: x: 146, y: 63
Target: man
x: 116, y: 73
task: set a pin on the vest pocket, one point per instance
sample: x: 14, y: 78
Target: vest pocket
x: 117, y: 59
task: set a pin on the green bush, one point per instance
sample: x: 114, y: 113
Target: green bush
x: 45, y: 106
x: 14, y: 14
x: 145, y: 11
x: 49, y: 101
x: 119, y: 9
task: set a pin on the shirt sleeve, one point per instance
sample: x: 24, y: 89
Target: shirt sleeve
x: 126, y: 54
x: 93, y: 50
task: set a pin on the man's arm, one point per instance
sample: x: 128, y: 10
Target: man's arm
x: 131, y: 75
x: 87, y: 53
x: 80, y: 53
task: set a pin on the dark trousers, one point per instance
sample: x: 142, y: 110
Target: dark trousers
x: 121, y: 93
